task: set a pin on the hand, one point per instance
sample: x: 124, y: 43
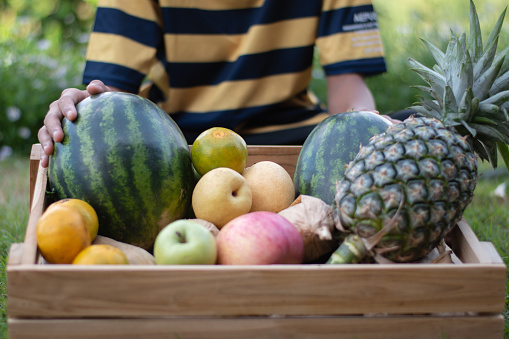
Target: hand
x: 65, y: 106
x: 388, y: 117
x: 394, y: 121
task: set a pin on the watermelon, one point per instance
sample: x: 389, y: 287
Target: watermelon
x: 329, y: 148
x: 128, y: 159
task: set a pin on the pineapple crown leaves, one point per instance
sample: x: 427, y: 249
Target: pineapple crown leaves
x: 469, y: 88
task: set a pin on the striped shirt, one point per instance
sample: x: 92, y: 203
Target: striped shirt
x: 239, y: 64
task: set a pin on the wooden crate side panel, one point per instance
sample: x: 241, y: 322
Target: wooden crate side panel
x: 475, y: 327
x: 143, y: 291
x: 35, y: 157
x: 491, y: 250
x: 466, y: 245
x: 15, y: 254
x: 30, y: 253
x: 285, y: 156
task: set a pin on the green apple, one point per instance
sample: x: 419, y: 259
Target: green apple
x: 185, y: 242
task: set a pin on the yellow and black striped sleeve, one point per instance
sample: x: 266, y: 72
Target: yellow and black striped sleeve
x: 124, y: 43
x: 349, y: 39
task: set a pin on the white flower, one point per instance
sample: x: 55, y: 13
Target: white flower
x: 13, y: 113
x: 5, y: 152
x: 318, y: 73
x: 43, y: 44
x: 24, y: 132
x: 500, y: 191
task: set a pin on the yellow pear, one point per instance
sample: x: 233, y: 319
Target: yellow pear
x: 221, y: 195
x: 271, y: 186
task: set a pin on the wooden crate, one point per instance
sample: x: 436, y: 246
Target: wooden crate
x: 279, y: 301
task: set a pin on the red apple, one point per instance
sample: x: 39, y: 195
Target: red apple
x: 259, y: 238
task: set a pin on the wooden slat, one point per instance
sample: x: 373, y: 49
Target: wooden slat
x: 467, y: 246
x: 286, y: 156
x: 35, y: 157
x: 64, y: 291
x: 398, y: 327
x: 37, y: 207
x: 490, y: 249
x: 15, y: 254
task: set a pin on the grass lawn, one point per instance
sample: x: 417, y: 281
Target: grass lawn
x: 14, y: 205
x: 488, y: 215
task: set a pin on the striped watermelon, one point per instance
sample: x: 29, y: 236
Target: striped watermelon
x: 330, y: 146
x: 129, y: 160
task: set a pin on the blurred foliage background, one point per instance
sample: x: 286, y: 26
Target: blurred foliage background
x: 43, y: 44
x: 42, y: 49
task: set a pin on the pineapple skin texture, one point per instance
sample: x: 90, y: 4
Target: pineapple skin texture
x: 431, y: 167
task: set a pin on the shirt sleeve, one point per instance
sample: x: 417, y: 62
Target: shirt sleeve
x: 125, y: 43
x: 348, y: 38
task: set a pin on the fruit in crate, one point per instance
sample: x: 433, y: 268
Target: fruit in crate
x: 259, y: 238
x: 87, y: 212
x: 328, y: 149
x: 129, y: 160
x: 185, y: 242
x: 271, y: 186
x: 221, y: 195
x: 101, y: 254
x: 61, y: 234
x: 135, y: 255
x: 219, y: 147
x: 422, y: 173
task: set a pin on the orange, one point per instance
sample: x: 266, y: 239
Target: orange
x: 61, y: 234
x: 101, y: 255
x: 86, y: 210
x: 219, y: 147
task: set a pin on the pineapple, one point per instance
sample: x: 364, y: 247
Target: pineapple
x: 420, y: 174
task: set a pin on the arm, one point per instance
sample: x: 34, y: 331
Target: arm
x: 347, y: 92
x: 65, y: 106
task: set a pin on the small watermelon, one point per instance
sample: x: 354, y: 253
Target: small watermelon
x: 128, y: 159
x: 330, y: 146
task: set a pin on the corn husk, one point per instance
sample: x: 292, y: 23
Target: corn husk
x: 313, y: 218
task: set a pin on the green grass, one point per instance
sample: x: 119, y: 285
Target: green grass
x: 487, y: 215
x: 14, y: 205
